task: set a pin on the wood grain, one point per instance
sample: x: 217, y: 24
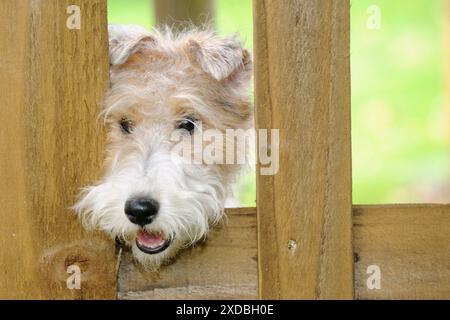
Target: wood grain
x: 178, y: 13
x: 411, y: 246
x: 52, y: 80
x: 302, y: 87
x: 222, y: 268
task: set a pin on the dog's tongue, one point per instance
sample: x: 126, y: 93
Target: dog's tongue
x: 150, y: 240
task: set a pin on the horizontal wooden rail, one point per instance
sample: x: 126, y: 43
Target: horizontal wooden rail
x: 409, y: 243
x: 225, y: 268
x: 411, y: 246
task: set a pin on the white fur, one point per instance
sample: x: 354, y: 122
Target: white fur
x: 191, y: 196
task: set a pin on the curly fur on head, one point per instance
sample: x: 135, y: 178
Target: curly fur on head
x: 158, y: 80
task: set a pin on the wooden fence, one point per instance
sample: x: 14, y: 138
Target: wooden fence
x: 52, y: 80
x: 305, y: 240
x: 409, y: 243
x: 179, y: 13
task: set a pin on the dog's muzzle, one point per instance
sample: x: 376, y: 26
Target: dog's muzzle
x: 141, y: 211
x: 151, y: 243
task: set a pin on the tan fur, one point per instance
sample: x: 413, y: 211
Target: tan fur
x: 167, y: 80
x: 159, y: 79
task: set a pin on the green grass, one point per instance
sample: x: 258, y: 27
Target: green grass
x: 399, y: 137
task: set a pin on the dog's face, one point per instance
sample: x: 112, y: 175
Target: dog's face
x: 165, y: 86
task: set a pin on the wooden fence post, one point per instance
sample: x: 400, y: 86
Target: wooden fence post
x: 302, y: 87
x: 177, y: 13
x: 52, y: 79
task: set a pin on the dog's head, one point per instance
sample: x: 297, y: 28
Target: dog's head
x: 166, y: 87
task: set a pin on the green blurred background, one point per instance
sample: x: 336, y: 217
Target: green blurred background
x: 400, y: 136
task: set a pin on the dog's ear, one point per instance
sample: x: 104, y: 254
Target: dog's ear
x: 222, y: 58
x: 126, y: 40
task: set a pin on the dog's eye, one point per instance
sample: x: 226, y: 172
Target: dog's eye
x: 126, y: 125
x: 187, y: 124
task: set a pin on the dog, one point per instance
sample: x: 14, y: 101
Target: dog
x: 161, y: 81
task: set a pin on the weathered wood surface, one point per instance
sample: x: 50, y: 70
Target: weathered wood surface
x: 179, y: 13
x: 409, y: 243
x: 411, y: 246
x: 223, y: 268
x: 51, y: 81
x: 302, y: 87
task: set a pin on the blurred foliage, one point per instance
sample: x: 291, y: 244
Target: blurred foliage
x: 399, y: 125
x: 131, y: 12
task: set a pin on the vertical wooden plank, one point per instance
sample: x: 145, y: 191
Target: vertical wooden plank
x: 302, y: 87
x: 52, y: 79
x: 178, y: 13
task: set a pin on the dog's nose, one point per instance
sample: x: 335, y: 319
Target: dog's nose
x: 141, y: 211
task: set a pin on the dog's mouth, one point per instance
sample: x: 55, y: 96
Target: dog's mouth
x: 152, y: 242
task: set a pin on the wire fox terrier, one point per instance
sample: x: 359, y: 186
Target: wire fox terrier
x: 166, y: 85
